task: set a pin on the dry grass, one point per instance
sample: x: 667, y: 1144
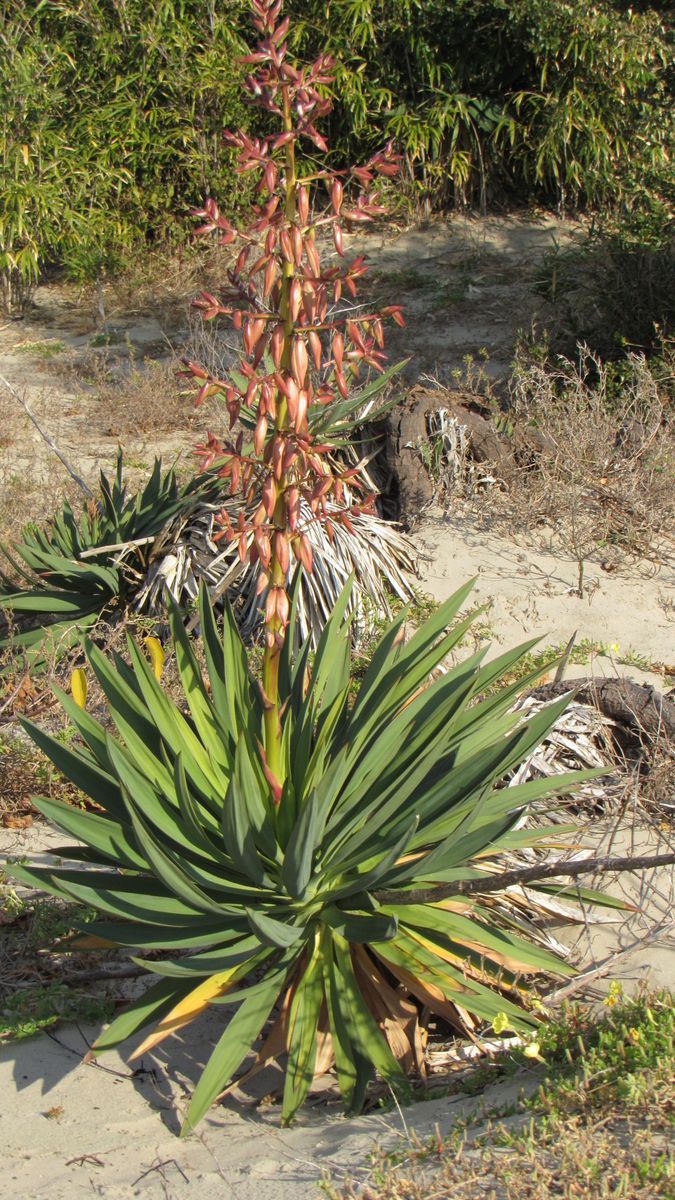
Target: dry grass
x: 142, y: 397
x: 600, y: 1126
x: 596, y: 460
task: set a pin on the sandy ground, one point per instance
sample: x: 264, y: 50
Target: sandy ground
x: 532, y: 592
x: 70, y: 1130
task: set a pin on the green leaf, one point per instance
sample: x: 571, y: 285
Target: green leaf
x: 361, y: 927
x: 364, y: 1029
x: 272, y: 932
x: 154, y: 1004
x: 296, y: 871
x: 108, y: 838
x: 303, y: 1022
x: 234, y: 1045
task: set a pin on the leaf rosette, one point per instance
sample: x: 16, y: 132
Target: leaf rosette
x: 262, y: 892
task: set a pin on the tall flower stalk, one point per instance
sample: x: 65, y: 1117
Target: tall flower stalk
x: 303, y: 346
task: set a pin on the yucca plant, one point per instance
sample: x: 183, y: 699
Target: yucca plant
x: 205, y: 855
x: 79, y: 568
x: 270, y: 836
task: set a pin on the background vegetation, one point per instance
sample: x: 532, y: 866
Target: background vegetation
x: 112, y: 112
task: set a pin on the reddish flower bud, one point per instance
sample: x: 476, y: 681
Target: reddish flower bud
x: 277, y: 343
x: 260, y: 434
x: 262, y: 582
x: 271, y: 271
x: 293, y: 503
x: 316, y: 348
x: 286, y: 246
x: 302, y: 548
x: 301, y: 411
x: 297, y: 242
x: 242, y: 259
x: 290, y: 456
x: 312, y: 257
x: 336, y: 194
x: 299, y: 360
x: 283, y: 608
x: 262, y: 541
x: 281, y: 552
x: 302, y: 203
x: 269, y: 496
x: 295, y: 299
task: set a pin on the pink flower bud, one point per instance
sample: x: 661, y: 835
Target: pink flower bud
x: 262, y: 541
x: 299, y: 360
x: 286, y: 246
x: 301, y: 411
x: 270, y: 275
x: 316, y: 348
x: 260, y: 434
x: 268, y: 496
x: 303, y: 552
x: 295, y: 299
x: 297, y: 242
x: 281, y: 552
x: 303, y: 204
x: 312, y: 257
x: 336, y: 194
x: 262, y: 582
x: 290, y: 457
x: 277, y: 343
x: 282, y: 606
x: 293, y: 502
x: 242, y: 259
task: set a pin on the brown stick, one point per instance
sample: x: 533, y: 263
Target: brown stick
x: 496, y: 883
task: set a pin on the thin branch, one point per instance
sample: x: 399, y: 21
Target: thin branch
x: 47, y: 438
x: 497, y: 883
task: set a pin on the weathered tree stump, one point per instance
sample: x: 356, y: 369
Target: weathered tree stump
x: 408, y: 449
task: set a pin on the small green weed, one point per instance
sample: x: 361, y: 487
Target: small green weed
x: 32, y: 996
x: 46, y: 349
x: 34, y: 1008
x: 114, y: 337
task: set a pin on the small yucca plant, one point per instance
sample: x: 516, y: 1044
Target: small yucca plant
x: 270, y: 834
x: 82, y: 567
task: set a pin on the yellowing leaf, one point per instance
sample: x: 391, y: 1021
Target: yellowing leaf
x: 25, y: 153
x: 188, y: 1008
x: 78, y: 687
x: 157, y: 655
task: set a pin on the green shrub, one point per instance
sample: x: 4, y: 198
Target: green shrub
x: 110, y: 114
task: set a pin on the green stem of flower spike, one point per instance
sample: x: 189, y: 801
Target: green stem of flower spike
x: 270, y: 670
